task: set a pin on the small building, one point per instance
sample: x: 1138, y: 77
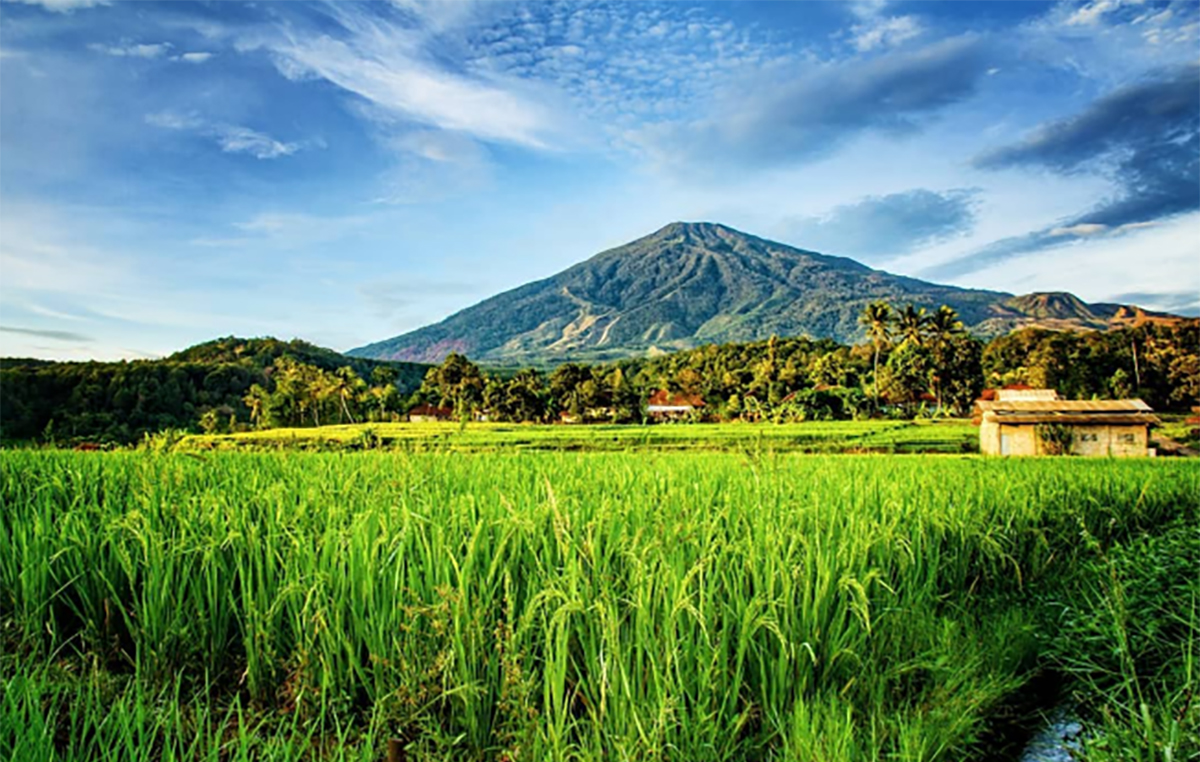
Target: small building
x: 664, y: 405
x: 1116, y: 428
x: 428, y: 413
x: 1015, y: 392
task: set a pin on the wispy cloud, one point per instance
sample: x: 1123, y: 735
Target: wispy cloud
x: 804, y: 114
x: 876, y: 29
x: 133, y: 50
x: 230, y: 137
x: 879, y: 227
x: 234, y: 139
x: 62, y: 6
x: 1105, y: 40
x: 285, y: 230
x: 1178, y: 302
x: 149, y: 51
x: 385, y: 62
x: 1153, y: 267
x: 1145, y: 136
x: 47, y: 334
x: 1090, y: 14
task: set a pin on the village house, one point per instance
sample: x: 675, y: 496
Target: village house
x: 428, y: 413
x: 664, y: 405
x: 1116, y: 428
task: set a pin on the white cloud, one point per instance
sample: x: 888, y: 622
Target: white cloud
x: 234, y: 139
x: 1098, y: 268
x: 149, y: 51
x: 1090, y: 229
x: 1108, y: 41
x: 62, y: 6
x: 623, y: 65
x: 385, y: 64
x: 230, y: 137
x: 133, y: 50
x: 1090, y: 14
x: 884, y: 32
x: 1083, y: 229
x: 877, y: 30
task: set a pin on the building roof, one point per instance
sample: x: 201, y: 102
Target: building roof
x: 1089, y: 419
x: 663, y: 398
x: 1077, y: 412
x: 1008, y: 407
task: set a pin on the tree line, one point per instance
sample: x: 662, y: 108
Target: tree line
x: 223, y: 385
x: 911, y: 363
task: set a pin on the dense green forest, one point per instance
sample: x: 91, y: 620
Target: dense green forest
x: 211, y: 386
x: 913, y: 363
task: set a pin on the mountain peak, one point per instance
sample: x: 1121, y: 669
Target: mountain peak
x: 681, y: 228
x: 693, y: 283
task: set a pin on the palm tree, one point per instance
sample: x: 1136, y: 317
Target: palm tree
x: 254, y: 400
x: 877, y: 319
x: 346, y: 385
x: 943, y: 327
x: 911, y: 323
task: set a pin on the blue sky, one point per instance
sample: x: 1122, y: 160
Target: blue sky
x: 345, y: 172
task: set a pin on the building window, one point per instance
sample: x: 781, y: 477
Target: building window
x: 1127, y: 439
x: 1088, y: 437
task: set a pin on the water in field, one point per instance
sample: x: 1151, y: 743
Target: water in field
x: 1056, y: 740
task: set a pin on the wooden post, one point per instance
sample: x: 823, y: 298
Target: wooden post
x: 396, y: 751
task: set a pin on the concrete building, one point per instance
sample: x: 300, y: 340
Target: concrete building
x: 1108, y: 428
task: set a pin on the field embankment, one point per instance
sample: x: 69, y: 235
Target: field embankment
x: 555, y: 606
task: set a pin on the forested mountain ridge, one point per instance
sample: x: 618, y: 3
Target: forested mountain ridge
x: 121, y: 401
x: 263, y: 352
x: 691, y: 284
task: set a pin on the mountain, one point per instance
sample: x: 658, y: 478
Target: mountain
x: 698, y: 283
x: 121, y: 401
x: 260, y: 353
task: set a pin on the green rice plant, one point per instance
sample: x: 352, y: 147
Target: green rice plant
x: 555, y: 605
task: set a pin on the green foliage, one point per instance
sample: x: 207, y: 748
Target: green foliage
x: 1159, y: 364
x: 1055, y: 438
x: 1129, y: 637
x: 558, y: 606
x: 217, y: 386
x: 937, y: 370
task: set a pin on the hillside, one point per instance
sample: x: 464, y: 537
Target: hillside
x: 120, y: 401
x: 696, y: 283
x: 260, y: 353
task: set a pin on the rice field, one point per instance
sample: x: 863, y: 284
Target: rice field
x: 943, y: 436
x: 579, y: 606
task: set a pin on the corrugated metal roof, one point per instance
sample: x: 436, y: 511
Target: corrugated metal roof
x: 1086, y: 419
x: 1064, y: 406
